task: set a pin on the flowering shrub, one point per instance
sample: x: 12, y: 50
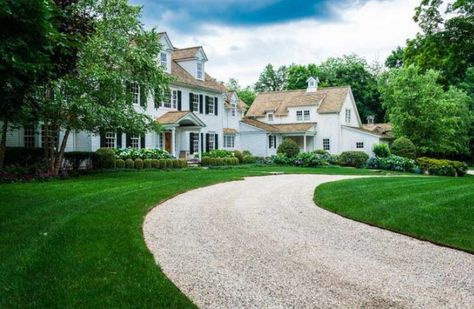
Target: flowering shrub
x: 393, y: 163
x: 141, y: 153
x: 310, y: 159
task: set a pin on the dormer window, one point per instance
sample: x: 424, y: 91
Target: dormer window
x: 200, y: 71
x: 312, y: 84
x: 164, y: 61
x: 270, y: 117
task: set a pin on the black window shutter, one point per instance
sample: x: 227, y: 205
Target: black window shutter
x: 119, y: 139
x: 142, y: 95
x: 191, y: 144
x: 207, y: 142
x: 128, y: 140
x: 216, y: 141
x: 191, y: 95
x: 207, y: 105
x: 216, y: 103
x: 179, y: 100
x: 142, y: 141
x: 269, y: 141
x: 201, y: 99
x: 102, y: 139
x: 274, y: 142
x: 202, y: 142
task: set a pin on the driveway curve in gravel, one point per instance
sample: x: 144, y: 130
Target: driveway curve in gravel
x: 262, y: 243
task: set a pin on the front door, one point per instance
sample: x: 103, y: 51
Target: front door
x: 168, y: 142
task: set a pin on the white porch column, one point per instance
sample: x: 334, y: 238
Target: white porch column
x: 173, y: 142
x: 304, y: 142
x: 200, y: 144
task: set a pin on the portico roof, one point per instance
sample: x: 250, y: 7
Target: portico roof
x: 286, y: 128
x: 180, y: 118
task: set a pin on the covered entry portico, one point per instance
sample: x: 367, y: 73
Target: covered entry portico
x: 178, y: 127
x: 304, y: 134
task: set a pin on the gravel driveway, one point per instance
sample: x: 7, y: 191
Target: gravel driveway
x: 262, y: 243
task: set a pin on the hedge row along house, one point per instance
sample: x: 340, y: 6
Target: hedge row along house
x: 201, y: 115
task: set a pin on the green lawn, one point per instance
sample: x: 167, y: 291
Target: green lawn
x: 438, y: 209
x: 78, y: 242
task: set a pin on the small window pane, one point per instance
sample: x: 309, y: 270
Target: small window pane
x: 199, y: 70
x: 195, y: 102
x: 29, y: 136
x: 306, y: 115
x: 359, y: 145
x: 326, y: 144
x: 110, y: 139
x: 299, y: 115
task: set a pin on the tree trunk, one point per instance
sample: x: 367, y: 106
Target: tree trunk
x: 3, y: 142
x: 60, y: 157
x: 52, y: 147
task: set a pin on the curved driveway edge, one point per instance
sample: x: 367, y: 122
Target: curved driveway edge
x: 262, y: 243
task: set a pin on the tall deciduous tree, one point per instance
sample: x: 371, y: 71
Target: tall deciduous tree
x: 27, y: 35
x: 118, y: 55
x: 271, y: 79
x: 246, y: 94
x: 436, y: 120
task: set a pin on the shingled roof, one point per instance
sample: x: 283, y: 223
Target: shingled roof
x: 329, y: 100
x: 185, y: 53
x: 384, y: 130
x: 182, y: 76
x: 280, y: 128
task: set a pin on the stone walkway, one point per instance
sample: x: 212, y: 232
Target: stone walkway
x: 262, y: 243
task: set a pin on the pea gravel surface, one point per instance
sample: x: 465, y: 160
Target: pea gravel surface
x: 263, y: 243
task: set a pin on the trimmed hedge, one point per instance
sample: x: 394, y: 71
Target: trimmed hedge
x: 119, y: 163
x: 442, y: 167
x: 218, y: 153
x: 138, y: 163
x: 129, y: 163
x: 289, y: 147
x: 207, y: 161
x: 147, y: 163
x: 403, y: 147
x: 104, y: 158
x: 155, y: 163
x: 23, y: 156
x: 353, y: 158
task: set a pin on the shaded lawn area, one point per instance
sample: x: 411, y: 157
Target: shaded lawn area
x: 438, y: 209
x: 78, y: 242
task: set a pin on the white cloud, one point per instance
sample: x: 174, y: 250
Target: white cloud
x: 370, y: 30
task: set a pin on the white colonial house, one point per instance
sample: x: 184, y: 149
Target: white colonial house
x: 316, y: 118
x: 200, y: 114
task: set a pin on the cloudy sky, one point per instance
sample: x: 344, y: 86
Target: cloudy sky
x: 241, y: 36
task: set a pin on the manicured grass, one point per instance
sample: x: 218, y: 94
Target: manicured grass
x: 438, y: 209
x: 79, y: 243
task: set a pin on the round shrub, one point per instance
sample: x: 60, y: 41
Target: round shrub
x: 119, y: 163
x: 138, y: 163
x: 175, y: 164
x: 249, y: 159
x: 183, y: 163
x: 129, y: 163
x: 155, y: 163
x: 238, y: 154
x: 289, y: 147
x: 403, y: 147
x: 162, y: 163
x: 147, y: 163
x: 104, y: 158
x: 205, y: 161
x: 353, y: 158
x: 169, y: 163
x: 381, y: 150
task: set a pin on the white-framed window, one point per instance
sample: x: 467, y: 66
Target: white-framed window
x: 164, y: 60
x: 196, y: 142
x: 299, y: 115
x: 29, y: 136
x: 306, y: 115
x: 110, y: 139
x: 210, y: 105
x: 135, y: 141
x: 166, y: 99
x: 270, y: 117
x: 233, y: 111
x: 135, y: 89
x: 229, y: 141
x: 272, y: 141
x: 195, y: 102
x: 360, y: 145
x: 52, y: 139
x: 174, y: 98
x: 348, y: 115
x: 326, y: 144
x: 199, y: 70
x: 211, y: 143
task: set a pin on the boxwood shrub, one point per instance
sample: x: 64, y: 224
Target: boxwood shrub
x: 155, y: 163
x: 138, y: 163
x: 129, y: 163
x: 381, y: 150
x: 208, y: 161
x: 147, y: 163
x: 403, y: 147
x: 289, y: 147
x: 353, y: 158
x: 104, y: 158
x: 119, y: 163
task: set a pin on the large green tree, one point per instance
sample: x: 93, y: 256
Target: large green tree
x: 246, y: 94
x: 436, y: 120
x: 27, y: 36
x: 272, y: 79
x: 119, y: 55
